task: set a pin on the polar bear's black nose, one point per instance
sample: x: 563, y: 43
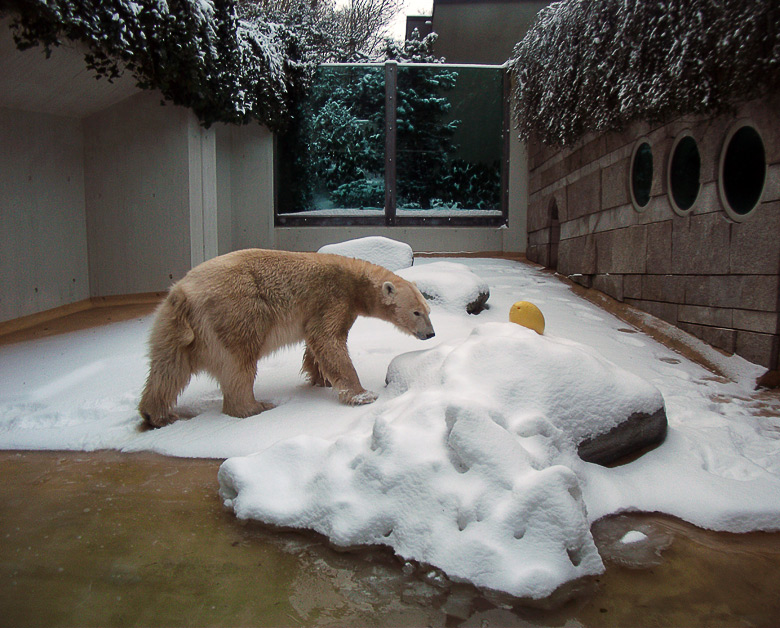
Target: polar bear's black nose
x: 425, y: 335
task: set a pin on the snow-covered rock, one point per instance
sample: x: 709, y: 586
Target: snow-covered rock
x: 470, y: 467
x: 450, y: 285
x: 391, y: 254
x: 532, y: 381
x: 634, y: 433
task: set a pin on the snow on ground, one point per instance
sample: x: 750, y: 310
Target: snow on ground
x: 452, y: 470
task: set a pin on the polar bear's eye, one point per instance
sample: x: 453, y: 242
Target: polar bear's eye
x: 417, y: 314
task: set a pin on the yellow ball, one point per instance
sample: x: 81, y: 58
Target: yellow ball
x: 528, y: 315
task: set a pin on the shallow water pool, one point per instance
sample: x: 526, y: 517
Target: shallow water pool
x: 113, y: 539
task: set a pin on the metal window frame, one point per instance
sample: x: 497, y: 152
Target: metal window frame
x: 390, y: 217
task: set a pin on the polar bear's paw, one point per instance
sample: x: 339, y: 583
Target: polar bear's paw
x: 358, y: 399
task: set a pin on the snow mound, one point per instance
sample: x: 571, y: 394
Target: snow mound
x: 469, y: 467
x: 450, y: 285
x: 529, y: 381
x: 391, y: 254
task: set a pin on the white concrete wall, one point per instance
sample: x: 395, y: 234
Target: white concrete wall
x: 43, y: 242
x: 251, y: 187
x: 516, y: 232
x: 138, y: 195
x: 123, y: 201
x: 224, y: 201
x: 202, y: 167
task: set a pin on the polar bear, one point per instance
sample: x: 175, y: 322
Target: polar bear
x: 230, y: 311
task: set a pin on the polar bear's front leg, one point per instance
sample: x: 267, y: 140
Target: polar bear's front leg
x: 335, y: 366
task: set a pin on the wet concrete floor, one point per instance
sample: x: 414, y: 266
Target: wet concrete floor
x: 111, y: 539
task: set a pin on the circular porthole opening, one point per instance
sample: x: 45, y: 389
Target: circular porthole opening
x: 742, y: 171
x: 684, y: 174
x: 641, y: 174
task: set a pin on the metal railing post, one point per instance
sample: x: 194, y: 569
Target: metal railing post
x: 391, y: 81
x: 506, y: 126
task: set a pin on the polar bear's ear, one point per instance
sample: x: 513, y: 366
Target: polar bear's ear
x: 388, y: 290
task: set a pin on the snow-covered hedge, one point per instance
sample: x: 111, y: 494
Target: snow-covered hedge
x: 198, y: 53
x: 595, y: 65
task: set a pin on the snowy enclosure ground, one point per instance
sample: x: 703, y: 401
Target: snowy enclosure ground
x: 464, y: 461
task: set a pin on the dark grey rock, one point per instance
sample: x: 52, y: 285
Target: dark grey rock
x: 637, y: 432
x: 480, y: 303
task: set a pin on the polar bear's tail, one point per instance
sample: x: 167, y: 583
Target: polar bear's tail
x: 170, y: 366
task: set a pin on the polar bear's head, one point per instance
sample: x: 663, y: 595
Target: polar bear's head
x: 406, y: 308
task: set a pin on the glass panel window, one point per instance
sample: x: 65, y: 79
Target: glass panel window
x: 450, y: 141
x: 331, y: 159
x: 396, y: 144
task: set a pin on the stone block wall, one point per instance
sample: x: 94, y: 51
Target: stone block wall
x: 713, y: 276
